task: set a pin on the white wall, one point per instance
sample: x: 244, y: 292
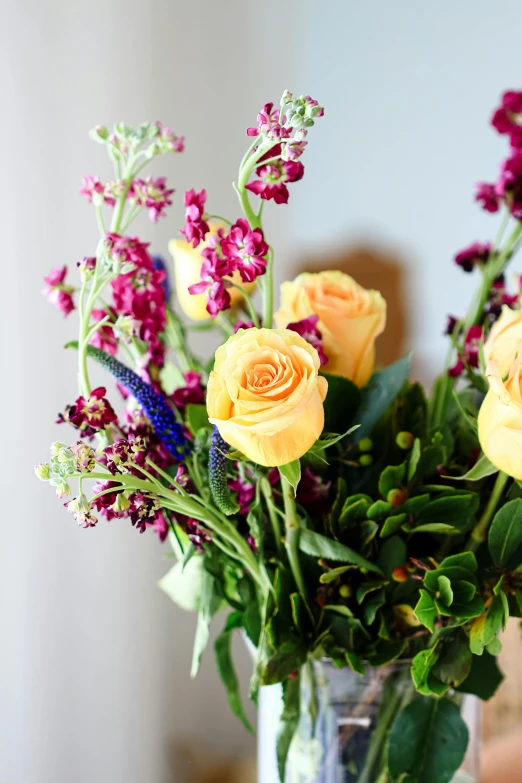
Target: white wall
x: 95, y: 660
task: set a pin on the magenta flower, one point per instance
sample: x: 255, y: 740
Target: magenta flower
x: 168, y: 141
x: 477, y: 253
x: 129, y: 250
x: 87, y: 264
x: 509, y: 184
x: 92, y: 188
x: 104, y: 337
x: 470, y: 356
x: 160, y: 526
x: 242, y: 325
x: 268, y: 124
x: 245, y: 493
x: 193, y: 392
x: 213, y: 270
x: 142, y: 510
x: 57, y: 292
x: 313, y: 492
x: 506, y: 118
x: 274, y: 176
x: 498, y: 296
x: 95, y: 412
x: 196, y: 226
x: 487, y: 196
x: 105, y: 505
x: 308, y: 330
x: 152, y: 192
x: 126, y: 455
x: 112, y: 191
x: 246, y: 250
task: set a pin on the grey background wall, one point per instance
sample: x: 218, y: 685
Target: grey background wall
x: 94, y: 659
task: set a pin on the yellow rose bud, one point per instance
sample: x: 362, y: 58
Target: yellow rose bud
x: 265, y: 395
x: 500, y: 418
x: 350, y: 318
x: 187, y: 267
x: 505, y: 340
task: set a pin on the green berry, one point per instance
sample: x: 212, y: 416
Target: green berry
x: 365, y: 444
x: 404, y: 440
x: 365, y: 460
x: 345, y: 591
x: 396, y: 497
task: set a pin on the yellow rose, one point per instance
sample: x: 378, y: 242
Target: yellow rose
x: 505, y: 339
x: 187, y: 266
x: 500, y: 418
x: 265, y: 395
x: 350, y: 318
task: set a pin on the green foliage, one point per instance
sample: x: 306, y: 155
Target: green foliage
x: 287, y: 723
x: 480, y: 470
x: 222, y: 647
x: 312, y: 543
x: 483, y: 678
x: 341, y: 403
x: 380, y: 393
x: 428, y: 741
x: 505, y: 533
x: 197, y: 417
x: 292, y: 473
x: 209, y: 604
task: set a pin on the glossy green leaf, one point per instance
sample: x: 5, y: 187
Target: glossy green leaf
x: 480, y: 470
x: 197, y: 417
x: 312, y: 543
x: 392, y: 525
x: 292, y: 473
x: 426, y: 610
x: 505, y: 533
x: 379, y: 393
x: 342, y: 401
x: 225, y: 665
x: 484, y: 677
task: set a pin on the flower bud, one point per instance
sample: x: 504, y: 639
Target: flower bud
x: 365, y: 444
x: 365, y: 460
x: 286, y: 97
x: 399, y: 574
x: 42, y: 471
x: 404, y: 440
x: 396, y: 497
x: 99, y: 133
x: 56, y: 446
x: 122, y: 503
x: 62, y: 489
x: 345, y: 591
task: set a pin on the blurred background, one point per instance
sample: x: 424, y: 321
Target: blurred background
x: 95, y: 659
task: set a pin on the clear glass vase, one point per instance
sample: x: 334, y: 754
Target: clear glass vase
x: 355, y: 714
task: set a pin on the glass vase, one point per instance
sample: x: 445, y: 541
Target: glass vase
x: 355, y: 714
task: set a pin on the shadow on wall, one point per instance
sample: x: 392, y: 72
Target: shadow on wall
x: 374, y: 268
x: 206, y: 765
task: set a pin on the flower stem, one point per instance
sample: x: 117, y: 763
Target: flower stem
x: 249, y: 303
x: 292, y: 534
x: 266, y: 489
x: 268, y: 289
x: 479, y: 532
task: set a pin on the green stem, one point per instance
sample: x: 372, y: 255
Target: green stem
x: 177, y: 339
x: 249, y: 303
x: 292, y: 534
x: 268, y: 291
x: 266, y: 489
x: 120, y: 206
x: 480, y: 531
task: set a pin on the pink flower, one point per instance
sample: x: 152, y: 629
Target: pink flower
x: 92, y: 188
x: 477, y: 253
x: 104, y: 337
x: 168, y: 140
x: 506, y: 118
x: 193, y: 392
x: 153, y: 193
x: 112, y: 191
x: 129, y: 250
x: 105, y: 504
x: 470, y: 356
x: 246, y: 249
x: 126, y: 455
x: 313, y: 492
x: 57, y: 292
x: 196, y: 227
x: 274, y: 176
x: 87, y: 264
x: 242, y: 325
x: 509, y: 184
x: 245, y: 493
x: 486, y: 196
x: 268, y: 124
x: 95, y: 412
x: 213, y: 270
x: 142, y: 510
x: 308, y: 330
x: 160, y: 525
x: 498, y: 296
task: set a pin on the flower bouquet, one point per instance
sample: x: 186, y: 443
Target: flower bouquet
x: 365, y: 538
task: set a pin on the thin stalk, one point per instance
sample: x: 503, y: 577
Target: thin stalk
x: 268, y: 291
x: 292, y: 535
x: 249, y: 303
x: 177, y: 340
x: 480, y: 531
x: 266, y: 489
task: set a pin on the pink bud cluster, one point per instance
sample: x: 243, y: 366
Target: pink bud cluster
x: 58, y: 293
x: 151, y: 193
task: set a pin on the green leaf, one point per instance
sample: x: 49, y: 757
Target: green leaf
x: 183, y: 585
x: 467, y: 610
x: 287, y: 723
x: 415, y: 504
x: 392, y: 525
x: 209, y: 605
x: 387, y: 652
x: 434, y: 527
x: 328, y: 439
x: 481, y: 469
x: 505, y: 533
x: 484, y: 677
x: 428, y: 741
x: 171, y: 378
x: 338, y: 609
x: 334, y: 573
x: 355, y: 662
x: 414, y: 458
x: 426, y: 610
x: 285, y: 661
x: 465, y: 560
x: 454, y: 662
x: 379, y: 510
x: 431, y: 457
x: 197, y: 417
x: 292, y: 473
x: 454, y: 510
x: 445, y: 591
x: 312, y: 543
x: 454, y: 574
x: 391, y: 478
x: 421, y: 668
x: 222, y: 647
x: 365, y: 588
x: 371, y: 605
x: 341, y: 403
x: 340, y: 497
x: 379, y: 393
x: 485, y: 627
x: 393, y: 553
x: 355, y: 509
